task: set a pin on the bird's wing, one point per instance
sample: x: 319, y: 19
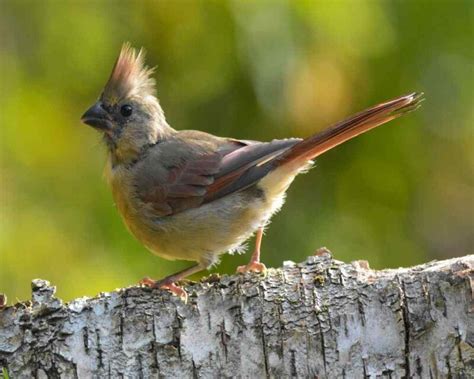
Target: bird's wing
x: 200, y: 177
x: 201, y: 168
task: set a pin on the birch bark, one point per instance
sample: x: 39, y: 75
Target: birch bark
x: 321, y: 318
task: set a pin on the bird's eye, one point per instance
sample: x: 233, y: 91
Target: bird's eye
x: 126, y: 110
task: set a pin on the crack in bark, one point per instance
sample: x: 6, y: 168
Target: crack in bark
x: 140, y: 366
x: 195, y: 370
x: 176, y: 342
x: 360, y: 307
x: 85, y: 338
x: 387, y: 373
x: 99, y: 349
x: 406, y: 324
x: 419, y: 368
x: 364, y: 364
x: 294, y: 372
x: 264, y: 349
x: 120, y: 332
x: 323, y: 346
x: 224, y: 338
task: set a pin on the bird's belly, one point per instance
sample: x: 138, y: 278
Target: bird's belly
x: 202, y: 233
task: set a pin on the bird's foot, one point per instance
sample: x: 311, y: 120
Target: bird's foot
x: 176, y: 290
x: 147, y: 282
x: 164, y: 284
x: 252, y: 266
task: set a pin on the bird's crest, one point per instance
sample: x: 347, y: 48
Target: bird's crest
x: 130, y: 76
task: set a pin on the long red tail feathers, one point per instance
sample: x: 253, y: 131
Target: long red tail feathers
x: 362, y: 122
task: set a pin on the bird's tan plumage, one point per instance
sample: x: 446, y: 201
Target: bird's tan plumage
x: 191, y: 195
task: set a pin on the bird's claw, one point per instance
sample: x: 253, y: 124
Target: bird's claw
x: 176, y: 290
x: 258, y: 267
x: 173, y: 288
x: 147, y: 282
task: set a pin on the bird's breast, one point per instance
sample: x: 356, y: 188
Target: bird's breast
x: 120, y: 180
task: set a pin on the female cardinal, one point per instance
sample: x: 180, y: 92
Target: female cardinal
x: 191, y: 195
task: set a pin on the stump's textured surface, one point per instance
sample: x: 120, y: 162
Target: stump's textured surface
x: 321, y: 318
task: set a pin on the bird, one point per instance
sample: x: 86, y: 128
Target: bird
x: 191, y: 195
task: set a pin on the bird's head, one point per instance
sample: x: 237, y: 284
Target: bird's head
x: 127, y: 112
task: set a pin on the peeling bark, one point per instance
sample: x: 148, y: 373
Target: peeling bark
x: 321, y: 318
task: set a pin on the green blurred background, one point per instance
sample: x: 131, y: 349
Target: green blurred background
x: 398, y: 196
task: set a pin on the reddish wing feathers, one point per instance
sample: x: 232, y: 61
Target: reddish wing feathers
x: 184, y: 187
x: 193, y: 177
x: 235, y: 165
x: 208, y: 177
x: 242, y: 164
x: 360, y: 123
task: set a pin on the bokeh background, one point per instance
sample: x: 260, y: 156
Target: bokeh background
x: 398, y: 196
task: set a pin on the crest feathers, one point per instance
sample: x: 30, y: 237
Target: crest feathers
x: 130, y: 76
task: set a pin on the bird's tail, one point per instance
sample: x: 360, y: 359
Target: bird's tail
x: 319, y: 143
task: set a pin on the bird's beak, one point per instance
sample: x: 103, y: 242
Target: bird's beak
x: 97, y: 117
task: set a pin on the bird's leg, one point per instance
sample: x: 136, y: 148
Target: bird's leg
x: 255, y: 265
x: 169, y: 282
